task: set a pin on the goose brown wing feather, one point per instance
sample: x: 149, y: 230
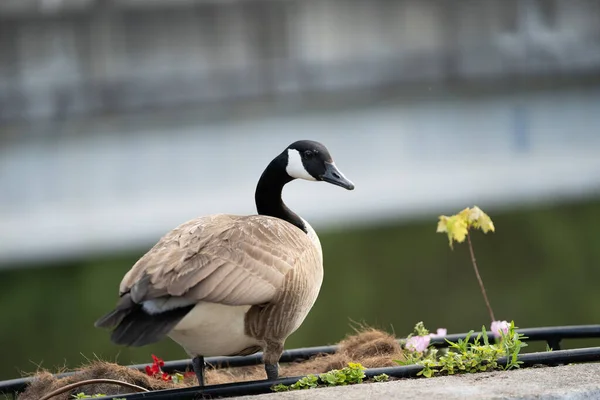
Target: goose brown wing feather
x: 234, y: 260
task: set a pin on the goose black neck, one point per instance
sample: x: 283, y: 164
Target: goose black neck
x: 268, y: 194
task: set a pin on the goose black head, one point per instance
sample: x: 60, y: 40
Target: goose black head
x: 310, y: 160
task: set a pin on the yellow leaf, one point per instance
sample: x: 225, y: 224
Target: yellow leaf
x: 465, y: 214
x: 481, y: 220
x: 489, y: 226
x: 442, y: 224
x: 457, y: 226
x: 457, y: 229
x: 356, y: 366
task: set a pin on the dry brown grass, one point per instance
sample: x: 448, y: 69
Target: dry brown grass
x: 44, y: 382
x: 370, y: 347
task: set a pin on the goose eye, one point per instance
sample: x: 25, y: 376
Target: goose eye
x: 308, y: 154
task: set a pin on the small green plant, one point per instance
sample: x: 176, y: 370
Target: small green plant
x: 353, y: 373
x: 177, y: 377
x: 308, y: 382
x: 457, y: 228
x: 87, y: 396
x: 464, y: 357
x: 381, y: 378
x: 280, y: 388
x: 512, y: 344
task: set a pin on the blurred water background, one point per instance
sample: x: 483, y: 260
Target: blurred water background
x: 120, y: 119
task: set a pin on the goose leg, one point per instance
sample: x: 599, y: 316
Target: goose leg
x: 271, y: 355
x: 272, y: 371
x: 199, y: 365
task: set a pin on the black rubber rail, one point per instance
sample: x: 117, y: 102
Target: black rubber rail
x: 591, y: 354
x: 19, y: 384
x: 552, y: 335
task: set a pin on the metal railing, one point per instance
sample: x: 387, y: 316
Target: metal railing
x: 294, y: 80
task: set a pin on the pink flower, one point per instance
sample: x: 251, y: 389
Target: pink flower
x: 441, y: 332
x: 418, y: 343
x: 498, y: 327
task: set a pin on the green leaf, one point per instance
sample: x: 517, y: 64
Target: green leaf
x: 280, y: 388
x: 381, y: 378
x: 485, y: 336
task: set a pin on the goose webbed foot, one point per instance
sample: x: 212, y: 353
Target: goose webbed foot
x: 272, y: 371
x: 199, y: 366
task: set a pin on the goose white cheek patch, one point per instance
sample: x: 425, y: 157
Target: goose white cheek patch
x: 295, y: 168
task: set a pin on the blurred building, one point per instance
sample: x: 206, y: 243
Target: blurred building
x: 120, y: 119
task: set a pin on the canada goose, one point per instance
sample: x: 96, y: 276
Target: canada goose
x: 224, y: 285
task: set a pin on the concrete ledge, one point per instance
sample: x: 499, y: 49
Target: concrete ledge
x: 571, y: 382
